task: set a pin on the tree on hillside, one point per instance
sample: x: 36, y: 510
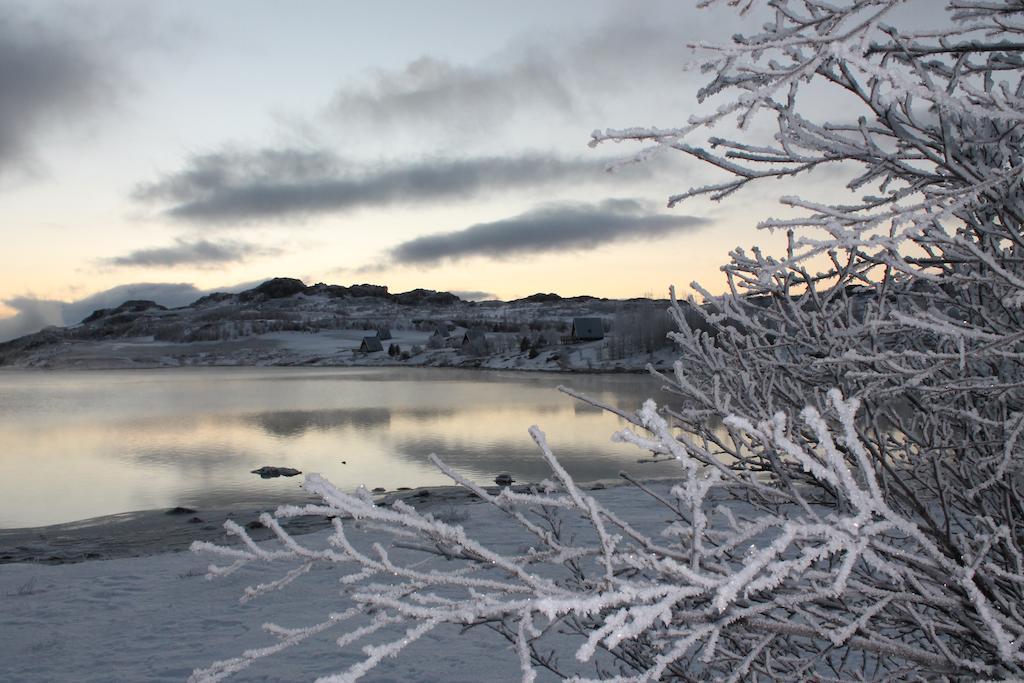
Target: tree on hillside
x: 639, y: 329
x: 860, y: 514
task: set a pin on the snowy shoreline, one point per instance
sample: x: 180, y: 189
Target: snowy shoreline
x: 640, y: 369
x: 138, y: 521
x: 155, y: 618
x: 142, y: 533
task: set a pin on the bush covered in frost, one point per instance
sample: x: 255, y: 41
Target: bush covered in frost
x: 849, y: 414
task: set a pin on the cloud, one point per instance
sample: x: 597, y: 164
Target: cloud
x: 431, y: 103
x: 53, y: 72
x: 474, y: 295
x: 164, y: 293
x: 629, y: 51
x: 552, y: 228
x: 34, y: 314
x: 543, y: 74
x: 431, y: 90
x: 201, y: 253
x: 239, y: 186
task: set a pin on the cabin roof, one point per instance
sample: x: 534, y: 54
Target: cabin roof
x: 371, y: 344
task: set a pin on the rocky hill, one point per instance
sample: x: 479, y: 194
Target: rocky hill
x: 285, y: 321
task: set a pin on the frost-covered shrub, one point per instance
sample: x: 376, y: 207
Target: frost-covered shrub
x: 638, y: 329
x: 478, y: 347
x: 857, y: 512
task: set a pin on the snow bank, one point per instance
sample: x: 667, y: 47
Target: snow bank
x: 156, y: 618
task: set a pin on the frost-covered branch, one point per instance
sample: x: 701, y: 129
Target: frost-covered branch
x: 828, y: 579
x: 847, y: 418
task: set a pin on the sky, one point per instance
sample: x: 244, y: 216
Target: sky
x: 165, y: 150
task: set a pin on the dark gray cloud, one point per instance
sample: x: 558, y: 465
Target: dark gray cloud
x: 239, y: 186
x: 433, y: 101
x: 553, y: 228
x: 51, y: 73
x: 201, y: 253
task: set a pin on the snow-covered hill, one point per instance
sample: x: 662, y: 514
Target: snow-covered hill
x: 285, y: 322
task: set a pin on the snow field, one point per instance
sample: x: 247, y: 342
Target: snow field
x: 157, y: 618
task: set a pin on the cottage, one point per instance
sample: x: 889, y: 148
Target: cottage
x: 474, y: 342
x: 384, y: 333
x: 370, y: 345
x: 474, y: 334
x: 587, y: 329
x: 438, y: 338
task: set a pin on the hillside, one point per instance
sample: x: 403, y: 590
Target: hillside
x: 283, y: 321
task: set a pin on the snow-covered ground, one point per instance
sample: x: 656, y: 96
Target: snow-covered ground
x: 284, y: 322
x: 156, y: 618
x: 327, y: 348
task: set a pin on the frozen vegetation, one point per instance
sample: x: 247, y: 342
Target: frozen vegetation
x: 859, y: 516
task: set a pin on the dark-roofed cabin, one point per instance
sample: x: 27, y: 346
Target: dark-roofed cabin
x: 370, y: 345
x: 473, y: 334
x: 474, y: 342
x: 384, y: 333
x: 587, y: 329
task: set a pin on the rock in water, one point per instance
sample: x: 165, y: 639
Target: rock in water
x: 504, y: 479
x: 268, y: 472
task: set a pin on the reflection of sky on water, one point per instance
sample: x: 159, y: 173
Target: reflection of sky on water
x: 84, y: 444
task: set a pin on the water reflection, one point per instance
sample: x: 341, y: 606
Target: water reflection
x: 293, y: 423
x: 581, y: 408
x: 84, y: 444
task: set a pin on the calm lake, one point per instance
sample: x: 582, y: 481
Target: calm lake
x: 75, y: 445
